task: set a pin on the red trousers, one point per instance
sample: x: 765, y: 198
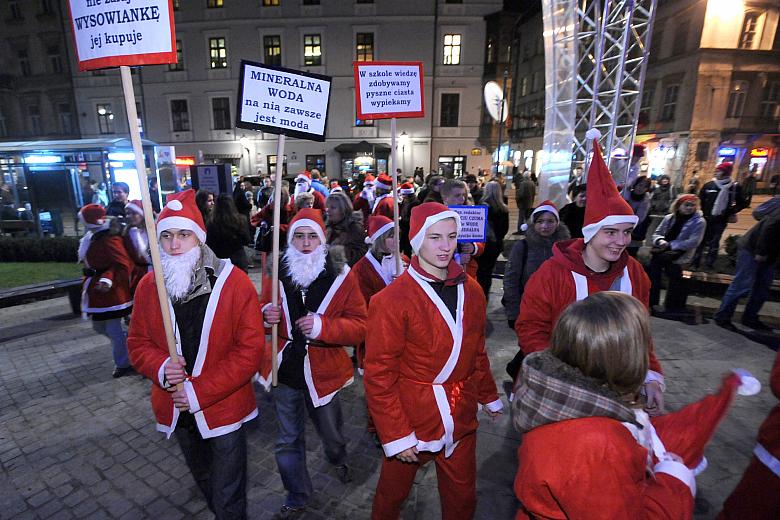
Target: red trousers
x: 456, y: 476
x: 755, y: 497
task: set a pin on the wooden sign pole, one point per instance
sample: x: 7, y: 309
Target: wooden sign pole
x: 275, y: 254
x: 394, y: 174
x: 151, y: 231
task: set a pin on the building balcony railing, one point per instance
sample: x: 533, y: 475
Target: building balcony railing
x: 754, y: 125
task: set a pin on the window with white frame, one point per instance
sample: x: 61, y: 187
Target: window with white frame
x: 220, y: 110
x: 217, y: 53
x: 312, y: 50
x: 737, y: 97
x: 452, y: 44
x: 105, y: 117
x: 670, y: 102
x: 55, y: 58
x: 180, y: 115
x: 749, y: 30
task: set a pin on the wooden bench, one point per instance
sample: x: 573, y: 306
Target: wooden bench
x: 43, y: 291
x: 715, y: 284
x: 14, y: 227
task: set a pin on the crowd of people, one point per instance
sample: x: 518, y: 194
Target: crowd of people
x: 588, y: 389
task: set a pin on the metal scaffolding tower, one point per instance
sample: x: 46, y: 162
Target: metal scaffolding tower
x: 595, y: 60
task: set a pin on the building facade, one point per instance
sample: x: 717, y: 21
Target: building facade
x: 192, y: 105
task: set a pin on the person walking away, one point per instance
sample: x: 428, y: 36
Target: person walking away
x: 205, y: 397
x: 758, y: 251
x: 136, y: 242
x: 721, y: 200
x: 638, y: 197
x: 227, y: 234
x: 106, y: 295
x: 573, y: 213
x: 527, y: 255
x: 497, y: 228
x: 525, y: 192
x: 427, y: 371
x: 589, y: 451
x: 584, y: 266
x: 119, y: 192
x: 345, y: 228
x: 674, y: 244
x: 318, y: 316
x: 383, y: 203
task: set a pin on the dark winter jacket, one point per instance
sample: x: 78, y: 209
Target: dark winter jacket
x: 764, y: 238
x: 689, y: 238
x: 709, y: 193
x: 350, y: 235
x: 518, y: 272
x: 574, y: 218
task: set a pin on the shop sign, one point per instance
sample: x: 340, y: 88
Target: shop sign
x: 388, y: 89
x: 759, y: 152
x: 109, y: 33
x: 283, y: 101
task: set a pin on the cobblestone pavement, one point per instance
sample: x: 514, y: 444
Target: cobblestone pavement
x: 74, y: 443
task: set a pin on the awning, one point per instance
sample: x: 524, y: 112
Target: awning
x: 222, y: 156
x: 362, y: 147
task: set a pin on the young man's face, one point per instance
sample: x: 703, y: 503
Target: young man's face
x: 579, y: 200
x: 610, y: 241
x: 439, y: 244
x: 119, y: 194
x: 178, y: 241
x: 305, y: 240
x: 456, y: 197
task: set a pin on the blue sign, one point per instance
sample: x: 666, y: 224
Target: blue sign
x: 726, y: 151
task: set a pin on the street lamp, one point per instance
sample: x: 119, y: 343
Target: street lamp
x: 403, y: 139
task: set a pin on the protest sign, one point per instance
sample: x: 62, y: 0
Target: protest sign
x: 283, y: 101
x: 111, y: 33
x: 215, y: 178
x: 473, y: 223
x: 385, y: 89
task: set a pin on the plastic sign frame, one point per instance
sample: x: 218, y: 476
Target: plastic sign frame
x: 389, y: 114
x: 293, y: 83
x: 132, y: 23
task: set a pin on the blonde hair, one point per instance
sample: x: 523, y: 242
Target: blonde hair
x: 607, y: 337
x: 302, y: 198
x: 494, y: 197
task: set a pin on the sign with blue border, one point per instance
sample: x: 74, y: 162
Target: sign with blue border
x: 473, y: 223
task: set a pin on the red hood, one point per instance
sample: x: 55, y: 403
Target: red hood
x: 568, y: 254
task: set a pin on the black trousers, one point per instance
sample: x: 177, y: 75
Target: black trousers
x: 676, y: 294
x: 485, y: 264
x: 218, y: 466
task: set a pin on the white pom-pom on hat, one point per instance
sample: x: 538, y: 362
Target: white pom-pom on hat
x: 174, y: 205
x: 593, y: 133
x: 748, y: 384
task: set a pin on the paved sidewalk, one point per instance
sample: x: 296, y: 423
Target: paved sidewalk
x: 75, y: 443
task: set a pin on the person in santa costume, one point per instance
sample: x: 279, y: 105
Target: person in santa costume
x: 583, y: 266
x: 206, y: 396
x: 756, y: 495
x: 454, y: 193
x: 589, y: 450
x: 364, y: 201
x: 303, y: 184
x: 426, y: 370
x: 318, y: 315
x: 383, y: 203
x: 136, y: 242
x: 106, y: 295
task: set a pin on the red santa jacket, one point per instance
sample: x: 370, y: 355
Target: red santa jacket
x: 220, y: 388
x: 425, y: 371
x: 361, y: 204
x: 383, y: 205
x: 108, y: 259
x: 564, y: 279
x: 341, y: 321
x: 472, y: 267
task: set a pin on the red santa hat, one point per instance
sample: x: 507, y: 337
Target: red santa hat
x: 369, y: 180
x: 136, y: 206
x: 406, y: 188
x: 378, y: 225
x: 604, y: 205
x: 725, y: 167
x: 384, y: 182
x: 92, y: 215
x: 546, y: 205
x: 304, y: 176
x: 181, y: 212
x: 307, y: 217
x: 424, y: 216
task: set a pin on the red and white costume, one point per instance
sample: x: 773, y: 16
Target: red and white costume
x: 364, y: 200
x: 756, y: 495
x: 106, y: 256
x: 383, y: 204
x: 425, y: 374
x: 319, y: 198
x: 598, y: 467
x: 137, y: 245
x: 564, y: 278
x: 340, y: 320
x: 220, y: 390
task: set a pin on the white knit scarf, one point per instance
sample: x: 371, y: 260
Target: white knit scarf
x: 722, y: 201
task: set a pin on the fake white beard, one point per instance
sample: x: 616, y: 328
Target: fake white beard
x: 300, y: 187
x: 84, y: 246
x: 305, y: 268
x: 368, y: 194
x: 178, y: 271
x: 388, y: 266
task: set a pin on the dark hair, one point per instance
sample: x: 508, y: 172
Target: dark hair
x: 226, y: 217
x: 201, y: 197
x: 577, y: 190
x: 122, y: 186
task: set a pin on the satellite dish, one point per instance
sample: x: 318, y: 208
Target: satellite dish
x: 494, y: 99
